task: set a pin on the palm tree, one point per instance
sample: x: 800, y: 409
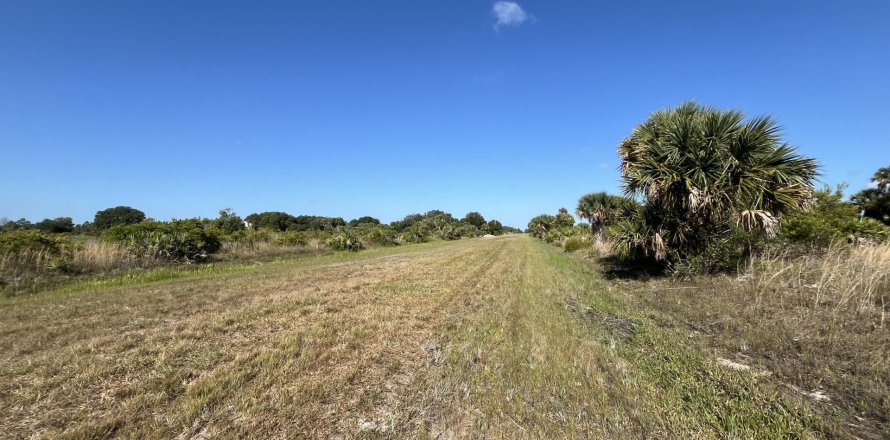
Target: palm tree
x: 600, y: 209
x: 703, y: 167
x: 540, y: 224
x: 875, y: 202
x: 881, y: 179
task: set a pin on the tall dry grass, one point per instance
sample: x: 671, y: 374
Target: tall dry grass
x: 264, y: 250
x: 843, y: 279
x: 816, y: 323
x: 31, y: 268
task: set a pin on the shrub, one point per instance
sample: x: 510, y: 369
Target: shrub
x: 725, y: 251
x: 378, y: 235
x: 13, y: 242
x: 290, y: 238
x: 179, y: 240
x: 414, y: 234
x: 345, y: 241
x: 831, y: 220
x: 462, y: 230
x: 250, y: 236
x: 574, y: 244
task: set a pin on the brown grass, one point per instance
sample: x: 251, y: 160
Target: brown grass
x: 817, y: 325
x: 499, y: 338
x: 316, y: 351
x: 852, y: 280
x: 267, y: 250
x: 30, y: 269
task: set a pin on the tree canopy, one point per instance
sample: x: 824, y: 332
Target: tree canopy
x: 875, y: 202
x: 474, y: 218
x: 702, y: 169
x: 119, y: 215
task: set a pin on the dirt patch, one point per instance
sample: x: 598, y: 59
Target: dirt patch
x: 618, y: 325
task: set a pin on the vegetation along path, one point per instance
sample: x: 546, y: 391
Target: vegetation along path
x: 492, y: 338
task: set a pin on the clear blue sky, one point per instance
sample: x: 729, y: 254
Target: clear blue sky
x: 180, y: 108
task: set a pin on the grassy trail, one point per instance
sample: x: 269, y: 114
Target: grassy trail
x: 500, y: 338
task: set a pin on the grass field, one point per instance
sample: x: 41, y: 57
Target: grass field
x: 490, y: 338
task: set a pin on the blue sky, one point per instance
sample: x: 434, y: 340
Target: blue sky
x: 384, y: 108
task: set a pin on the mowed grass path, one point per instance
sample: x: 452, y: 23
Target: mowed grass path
x: 498, y: 338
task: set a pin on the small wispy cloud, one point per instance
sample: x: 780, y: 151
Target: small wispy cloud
x: 508, y: 14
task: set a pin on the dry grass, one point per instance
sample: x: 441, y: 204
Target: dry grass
x: 266, y: 250
x: 30, y: 269
x: 310, y: 347
x: 816, y: 325
x: 499, y: 338
x: 843, y: 279
x: 603, y: 248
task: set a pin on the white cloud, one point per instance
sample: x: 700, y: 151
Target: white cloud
x: 508, y: 14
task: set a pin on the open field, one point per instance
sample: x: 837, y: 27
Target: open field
x: 493, y: 338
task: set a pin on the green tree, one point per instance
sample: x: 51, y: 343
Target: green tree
x: 600, y: 209
x: 539, y: 225
x: 19, y: 224
x: 119, y: 215
x: 274, y: 220
x: 702, y: 170
x: 563, y: 219
x: 228, y: 222
x: 56, y: 225
x: 875, y: 202
x: 405, y: 223
x: 366, y: 220
x: 494, y: 227
x: 474, y: 218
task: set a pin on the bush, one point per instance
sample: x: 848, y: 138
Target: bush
x: 414, y: 234
x: 559, y: 235
x: 831, y: 220
x: 14, y: 242
x: 251, y: 236
x: 377, y: 235
x: 179, y: 240
x: 574, y: 244
x: 345, y: 241
x: 725, y: 251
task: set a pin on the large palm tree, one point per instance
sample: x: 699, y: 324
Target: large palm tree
x: 704, y: 167
x: 600, y: 209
